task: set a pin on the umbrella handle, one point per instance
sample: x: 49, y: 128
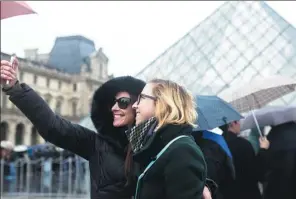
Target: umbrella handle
x: 256, y: 122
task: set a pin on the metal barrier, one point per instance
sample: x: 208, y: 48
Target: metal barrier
x: 45, y: 177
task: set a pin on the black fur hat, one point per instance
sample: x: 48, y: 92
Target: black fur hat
x: 103, y: 100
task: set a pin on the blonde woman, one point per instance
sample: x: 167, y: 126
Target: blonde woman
x: 172, y: 165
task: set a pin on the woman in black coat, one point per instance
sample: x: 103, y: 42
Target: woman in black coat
x: 165, y: 117
x: 105, y: 151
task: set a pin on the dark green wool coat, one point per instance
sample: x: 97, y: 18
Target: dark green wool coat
x: 180, y: 173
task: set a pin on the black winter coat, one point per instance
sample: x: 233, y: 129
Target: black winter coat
x: 281, y: 171
x: 220, y: 168
x: 105, y: 151
x: 249, y: 168
x: 180, y: 173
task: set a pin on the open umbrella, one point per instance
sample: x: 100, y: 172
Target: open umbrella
x: 258, y: 93
x: 20, y: 148
x: 219, y: 139
x: 269, y: 116
x: 15, y: 8
x: 11, y: 9
x: 214, y: 112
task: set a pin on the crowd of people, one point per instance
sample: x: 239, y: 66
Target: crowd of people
x: 146, y: 146
x: 40, y: 169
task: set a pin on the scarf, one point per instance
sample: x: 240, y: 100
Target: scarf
x: 137, y: 134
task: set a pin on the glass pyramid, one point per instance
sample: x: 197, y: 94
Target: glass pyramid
x: 239, y: 41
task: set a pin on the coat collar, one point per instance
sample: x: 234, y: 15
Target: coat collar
x: 158, y: 140
x: 228, y: 135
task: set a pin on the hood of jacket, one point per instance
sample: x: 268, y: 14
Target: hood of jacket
x: 103, y: 100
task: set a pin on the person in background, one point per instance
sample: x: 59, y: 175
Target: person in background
x: 164, y: 112
x: 280, y: 181
x: 6, y: 148
x: 9, y: 169
x: 249, y: 167
x: 221, y: 173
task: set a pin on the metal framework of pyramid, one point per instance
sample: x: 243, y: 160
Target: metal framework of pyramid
x: 238, y: 42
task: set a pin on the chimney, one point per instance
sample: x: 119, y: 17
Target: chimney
x: 31, y: 54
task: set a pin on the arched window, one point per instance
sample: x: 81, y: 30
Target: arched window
x: 74, y: 108
x: 47, y: 98
x: 4, y: 100
x: 58, y: 107
x: 19, y: 134
x: 34, y: 136
x: 3, y: 131
x: 59, y: 103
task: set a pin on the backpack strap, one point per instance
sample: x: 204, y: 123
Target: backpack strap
x: 153, y: 161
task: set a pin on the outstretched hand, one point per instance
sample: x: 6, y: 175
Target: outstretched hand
x: 9, y: 72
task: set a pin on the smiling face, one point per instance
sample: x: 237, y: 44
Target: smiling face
x: 145, y: 106
x: 123, y: 113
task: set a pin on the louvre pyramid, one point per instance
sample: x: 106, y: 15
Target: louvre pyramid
x: 238, y: 42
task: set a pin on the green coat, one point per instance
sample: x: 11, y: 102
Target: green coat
x: 253, y: 138
x: 179, y: 173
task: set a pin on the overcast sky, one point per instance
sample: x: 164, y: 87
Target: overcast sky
x: 132, y: 34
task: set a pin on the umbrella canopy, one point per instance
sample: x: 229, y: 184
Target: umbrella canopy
x: 219, y: 139
x: 269, y: 116
x: 15, y: 8
x: 20, y: 148
x: 214, y: 112
x: 259, y: 92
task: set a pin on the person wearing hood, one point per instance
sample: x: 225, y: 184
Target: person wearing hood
x: 112, y: 115
x: 6, y: 148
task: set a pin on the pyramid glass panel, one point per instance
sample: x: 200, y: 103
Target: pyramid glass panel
x: 238, y: 42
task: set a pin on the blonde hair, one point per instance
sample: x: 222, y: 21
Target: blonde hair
x: 174, y: 104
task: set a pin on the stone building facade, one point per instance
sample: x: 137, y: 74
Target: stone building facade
x: 68, y: 94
